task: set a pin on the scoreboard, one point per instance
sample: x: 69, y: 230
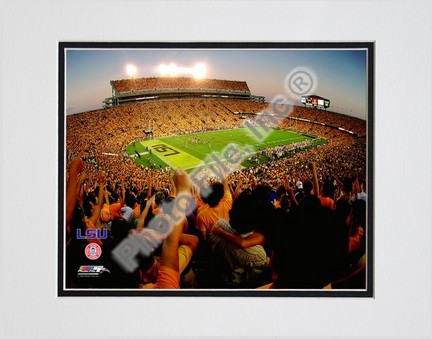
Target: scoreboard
x: 315, y: 101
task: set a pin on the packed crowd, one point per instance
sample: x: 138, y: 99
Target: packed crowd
x: 113, y: 129
x: 336, y: 159
x: 130, y: 85
x: 244, y: 106
x: 293, y: 222
x: 337, y: 120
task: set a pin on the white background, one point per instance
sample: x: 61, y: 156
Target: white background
x: 30, y: 31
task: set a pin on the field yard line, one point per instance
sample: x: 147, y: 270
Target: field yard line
x: 289, y: 139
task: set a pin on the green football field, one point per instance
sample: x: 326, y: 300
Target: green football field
x: 189, y: 151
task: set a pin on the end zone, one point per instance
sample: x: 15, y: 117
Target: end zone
x: 172, y: 156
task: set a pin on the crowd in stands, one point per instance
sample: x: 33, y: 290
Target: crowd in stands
x: 244, y: 106
x: 295, y: 222
x: 140, y: 84
x: 337, y: 120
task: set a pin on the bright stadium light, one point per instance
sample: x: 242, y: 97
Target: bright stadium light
x: 163, y: 70
x: 131, y: 70
x: 172, y: 69
x: 199, y: 71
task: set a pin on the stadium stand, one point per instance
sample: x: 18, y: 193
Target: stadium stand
x: 128, y: 85
x: 278, y: 205
x: 142, y: 89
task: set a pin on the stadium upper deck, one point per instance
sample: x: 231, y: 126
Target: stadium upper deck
x: 144, y: 89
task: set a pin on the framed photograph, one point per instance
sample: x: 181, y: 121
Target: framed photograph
x: 216, y: 169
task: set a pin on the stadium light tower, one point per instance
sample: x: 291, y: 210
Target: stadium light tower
x: 131, y: 70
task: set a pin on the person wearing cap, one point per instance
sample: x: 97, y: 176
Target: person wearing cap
x: 131, y: 202
x: 106, y: 215
x: 127, y: 214
x: 299, y: 194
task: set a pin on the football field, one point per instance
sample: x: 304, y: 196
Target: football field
x: 189, y: 151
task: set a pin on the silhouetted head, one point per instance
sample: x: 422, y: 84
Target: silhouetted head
x: 241, y: 214
x: 342, y: 210
x: 216, y: 194
x: 328, y: 188
x: 285, y: 202
x: 359, y: 213
x: 347, y: 185
x: 280, y: 191
x: 261, y: 193
x: 120, y: 229
x: 307, y: 186
x: 130, y: 200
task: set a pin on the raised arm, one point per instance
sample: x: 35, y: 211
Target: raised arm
x: 96, y: 212
x: 173, y: 189
x: 356, y: 186
x: 253, y: 239
x: 80, y: 188
x: 71, y: 187
x: 200, y: 227
x: 123, y: 190
x: 238, y: 189
x: 150, y: 188
x: 230, y: 185
x: 338, y: 182
x: 170, y: 245
x: 290, y: 190
x: 106, y: 197
x: 189, y: 240
x: 225, y: 182
x: 144, y: 213
x: 312, y: 167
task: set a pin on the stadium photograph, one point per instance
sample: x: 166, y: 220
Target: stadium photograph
x: 215, y: 169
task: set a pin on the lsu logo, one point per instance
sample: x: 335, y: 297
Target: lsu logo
x: 92, y: 233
